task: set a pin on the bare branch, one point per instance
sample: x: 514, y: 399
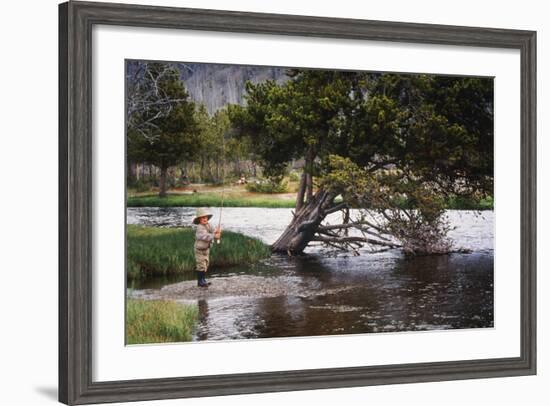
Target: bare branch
x: 377, y: 228
x: 329, y: 233
x: 336, y: 208
x: 357, y: 226
x: 147, y: 102
x: 367, y: 231
x: 344, y: 240
x: 336, y: 226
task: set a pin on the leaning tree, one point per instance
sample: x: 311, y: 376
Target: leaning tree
x: 161, y: 124
x: 395, y: 146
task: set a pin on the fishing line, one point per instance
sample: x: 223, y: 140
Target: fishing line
x: 223, y: 186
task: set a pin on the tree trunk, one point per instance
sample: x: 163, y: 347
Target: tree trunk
x: 308, y: 169
x: 309, y: 187
x: 301, y: 192
x: 303, y: 227
x: 130, y: 178
x: 211, y: 176
x: 201, y: 176
x: 162, y: 183
x: 238, y: 167
x: 184, y: 178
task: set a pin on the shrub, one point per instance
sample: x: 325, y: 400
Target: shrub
x: 267, y: 186
x: 294, y: 177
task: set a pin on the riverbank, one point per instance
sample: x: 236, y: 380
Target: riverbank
x: 155, y: 251
x: 207, y: 195
x: 237, y: 196
x: 247, y: 286
x: 212, y: 200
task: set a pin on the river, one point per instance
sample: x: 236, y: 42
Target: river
x: 320, y: 295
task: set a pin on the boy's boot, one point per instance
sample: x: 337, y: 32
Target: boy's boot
x: 204, y: 282
x: 199, y: 278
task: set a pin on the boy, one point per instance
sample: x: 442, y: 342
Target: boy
x: 203, y: 240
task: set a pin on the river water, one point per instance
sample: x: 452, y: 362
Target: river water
x: 319, y: 295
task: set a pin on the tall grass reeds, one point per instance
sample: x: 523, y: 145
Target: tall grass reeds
x: 159, y: 321
x: 154, y: 251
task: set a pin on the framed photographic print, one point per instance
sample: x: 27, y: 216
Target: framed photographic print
x: 256, y: 202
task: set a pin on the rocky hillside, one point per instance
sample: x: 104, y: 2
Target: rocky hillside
x: 216, y: 85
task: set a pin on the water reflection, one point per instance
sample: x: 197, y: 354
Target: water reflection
x: 202, y: 332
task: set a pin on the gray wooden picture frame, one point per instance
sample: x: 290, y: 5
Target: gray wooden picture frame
x: 76, y: 20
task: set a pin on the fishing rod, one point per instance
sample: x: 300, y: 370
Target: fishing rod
x: 221, y: 211
x: 223, y: 186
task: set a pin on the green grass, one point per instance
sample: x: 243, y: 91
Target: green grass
x: 154, y: 251
x: 208, y: 200
x: 159, y: 321
x: 214, y: 200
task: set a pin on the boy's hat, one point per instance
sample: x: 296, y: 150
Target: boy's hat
x: 201, y: 213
